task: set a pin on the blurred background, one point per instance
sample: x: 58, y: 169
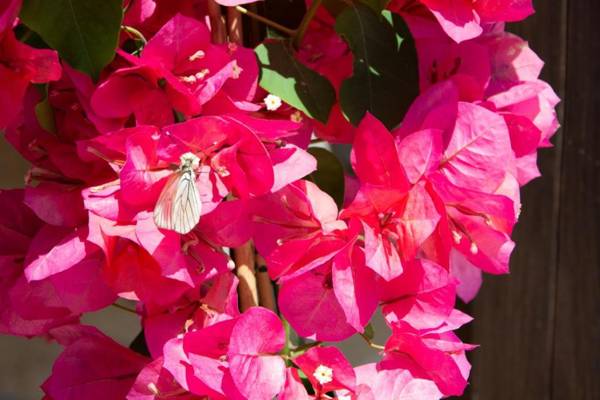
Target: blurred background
x: 539, y: 327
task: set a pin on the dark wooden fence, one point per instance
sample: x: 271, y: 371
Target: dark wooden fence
x: 539, y: 327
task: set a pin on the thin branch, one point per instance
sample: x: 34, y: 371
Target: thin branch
x: 266, y: 21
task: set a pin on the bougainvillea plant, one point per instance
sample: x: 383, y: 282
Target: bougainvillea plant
x: 181, y: 170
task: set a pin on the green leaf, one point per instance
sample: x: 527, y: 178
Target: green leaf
x: 377, y: 5
x: 335, y: 7
x: 296, y: 84
x: 84, y: 32
x: 45, y: 115
x: 385, y: 78
x: 329, y: 176
x: 369, y: 331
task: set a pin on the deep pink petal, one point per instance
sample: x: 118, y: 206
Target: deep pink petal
x: 375, y: 159
x: 309, y: 304
x: 94, y: 368
x: 342, y: 375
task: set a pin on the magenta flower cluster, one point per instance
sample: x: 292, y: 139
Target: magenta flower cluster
x: 428, y: 206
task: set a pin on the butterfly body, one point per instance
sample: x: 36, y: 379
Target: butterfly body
x: 178, y: 207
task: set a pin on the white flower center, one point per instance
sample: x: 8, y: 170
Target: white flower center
x: 272, y: 102
x: 323, y: 374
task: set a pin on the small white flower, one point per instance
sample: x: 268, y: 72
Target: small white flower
x: 323, y: 374
x: 272, y: 102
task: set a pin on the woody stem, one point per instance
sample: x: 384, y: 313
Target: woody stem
x: 266, y: 293
x: 234, y: 25
x: 217, y: 22
x: 245, y: 271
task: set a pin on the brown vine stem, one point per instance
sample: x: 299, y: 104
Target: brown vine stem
x: 301, y: 31
x: 243, y: 256
x: 234, y: 25
x: 266, y: 21
x: 217, y: 22
x: 266, y: 294
x: 245, y: 271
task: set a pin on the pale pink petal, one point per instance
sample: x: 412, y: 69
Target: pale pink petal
x: 355, y: 287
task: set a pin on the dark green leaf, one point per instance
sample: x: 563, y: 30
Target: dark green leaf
x: 296, y: 84
x: 385, y: 78
x: 85, y: 32
x: 369, y: 331
x: 376, y: 5
x: 335, y: 7
x: 139, y: 345
x: 45, y: 115
x: 329, y: 176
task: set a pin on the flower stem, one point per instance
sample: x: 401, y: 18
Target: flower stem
x: 134, y: 33
x: 302, y: 348
x: 371, y: 344
x: 310, y: 13
x: 266, y: 21
x: 288, y: 338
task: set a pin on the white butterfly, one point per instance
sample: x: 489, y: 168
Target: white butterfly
x: 178, y: 207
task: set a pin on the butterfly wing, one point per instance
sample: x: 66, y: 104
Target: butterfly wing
x: 178, y: 207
